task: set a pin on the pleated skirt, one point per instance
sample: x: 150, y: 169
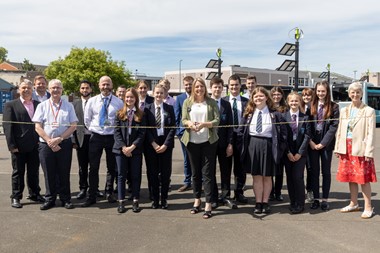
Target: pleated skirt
x: 259, y: 160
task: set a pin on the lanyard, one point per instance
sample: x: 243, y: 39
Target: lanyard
x: 55, y: 115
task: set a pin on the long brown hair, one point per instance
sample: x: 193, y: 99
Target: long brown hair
x: 250, y: 109
x: 327, y: 104
x: 122, y: 113
x: 282, y: 107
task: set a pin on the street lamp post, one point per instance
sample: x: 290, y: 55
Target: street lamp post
x: 297, y: 36
x: 179, y: 77
x: 328, y: 72
x: 219, y: 55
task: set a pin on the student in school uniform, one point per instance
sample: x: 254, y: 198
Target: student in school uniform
x: 160, y: 144
x: 298, y: 136
x: 325, y: 119
x: 262, y: 137
x: 129, y: 138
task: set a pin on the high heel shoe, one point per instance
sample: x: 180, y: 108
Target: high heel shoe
x: 196, y: 209
x: 207, y: 215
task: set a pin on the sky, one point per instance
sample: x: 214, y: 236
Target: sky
x: 153, y: 36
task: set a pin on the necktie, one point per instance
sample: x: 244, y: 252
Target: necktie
x: 320, y: 114
x: 142, y: 106
x: 259, y: 125
x: 158, y: 117
x: 235, y: 111
x: 294, y: 126
x: 103, y: 113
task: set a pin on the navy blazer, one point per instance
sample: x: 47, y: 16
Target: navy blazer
x: 21, y: 136
x: 178, y: 114
x: 329, y: 128
x: 148, y: 100
x: 169, y: 121
x: 136, y: 137
x: 244, y: 102
x: 300, y: 146
x: 225, y: 133
x: 279, y: 136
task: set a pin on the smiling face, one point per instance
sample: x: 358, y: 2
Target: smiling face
x: 216, y: 90
x: 251, y: 84
x: 105, y: 85
x: 130, y: 99
x: 158, y: 94
x: 260, y: 100
x: 55, y: 89
x: 142, y: 89
x: 307, y: 98
x: 85, y: 90
x: 199, y: 90
x: 321, y: 92
x: 40, y: 85
x: 188, y: 85
x: 234, y: 87
x: 25, y: 89
x: 294, y: 102
x: 276, y: 96
x: 355, y: 95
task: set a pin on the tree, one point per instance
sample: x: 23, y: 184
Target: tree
x: 3, y: 54
x: 89, y: 64
x: 26, y: 65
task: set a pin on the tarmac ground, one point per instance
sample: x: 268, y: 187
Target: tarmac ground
x: 100, y: 228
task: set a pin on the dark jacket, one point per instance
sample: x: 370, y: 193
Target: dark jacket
x: 225, y: 133
x: 301, y: 144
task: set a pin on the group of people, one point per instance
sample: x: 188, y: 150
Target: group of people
x: 257, y: 133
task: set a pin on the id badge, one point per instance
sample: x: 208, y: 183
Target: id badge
x: 54, y: 125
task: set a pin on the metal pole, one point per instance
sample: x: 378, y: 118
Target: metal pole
x: 179, y: 77
x: 328, y: 73
x: 296, y: 66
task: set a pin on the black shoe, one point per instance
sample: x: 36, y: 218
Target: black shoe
x: 315, y: 204
x: 230, y: 203
x: 47, y: 205
x: 155, y: 205
x: 266, y: 208
x: 82, y: 194
x: 130, y: 197
x: 135, y: 207
x: 99, y: 194
x: 88, y: 202
x: 325, y: 206
x: 272, y: 197
x: 16, y: 203
x: 279, y: 197
x: 164, y: 204
x: 214, y: 205
x: 258, y: 208
x: 184, y: 187
x: 241, y: 198
x: 297, y: 210
x: 121, y: 208
x: 36, y: 198
x: 68, y: 205
x: 110, y: 198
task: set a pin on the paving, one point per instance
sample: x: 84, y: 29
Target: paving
x: 100, y: 228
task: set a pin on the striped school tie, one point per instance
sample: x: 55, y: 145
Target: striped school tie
x: 259, y: 125
x: 235, y: 111
x: 158, y: 117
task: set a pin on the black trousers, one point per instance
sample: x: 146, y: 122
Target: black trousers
x: 156, y: 164
x: 202, y: 160
x: 239, y: 173
x: 30, y: 162
x: 295, y: 181
x: 278, y: 179
x: 56, y: 166
x: 225, y: 166
x: 132, y: 166
x: 83, y: 162
x: 98, y: 143
x: 320, y: 160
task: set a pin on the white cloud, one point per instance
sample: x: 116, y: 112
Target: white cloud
x: 336, y: 31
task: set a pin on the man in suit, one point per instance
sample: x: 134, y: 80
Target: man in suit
x: 238, y: 104
x: 81, y: 138
x: 225, y: 148
x: 22, y: 142
x: 99, y: 118
x: 40, y: 93
x: 187, y: 83
x: 251, y: 84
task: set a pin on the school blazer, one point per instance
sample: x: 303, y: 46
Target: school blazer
x: 212, y: 116
x: 300, y: 146
x: 21, y: 136
x: 178, y: 113
x: 329, y: 127
x: 279, y: 136
x: 363, y: 133
x: 225, y: 134
x: 169, y: 121
x: 244, y: 102
x: 136, y: 137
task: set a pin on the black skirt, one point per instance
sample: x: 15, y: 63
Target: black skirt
x: 259, y: 160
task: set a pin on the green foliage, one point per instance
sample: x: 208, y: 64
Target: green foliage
x: 26, y: 65
x: 3, y: 54
x: 89, y: 64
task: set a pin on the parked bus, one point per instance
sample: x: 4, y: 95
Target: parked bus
x: 371, y: 96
